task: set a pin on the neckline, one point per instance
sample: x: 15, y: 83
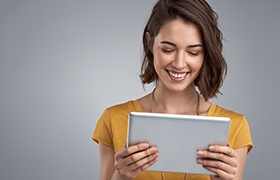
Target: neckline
x: 210, y: 112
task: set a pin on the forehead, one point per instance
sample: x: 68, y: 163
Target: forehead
x: 178, y: 31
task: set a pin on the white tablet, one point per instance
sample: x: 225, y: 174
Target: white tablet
x: 177, y: 138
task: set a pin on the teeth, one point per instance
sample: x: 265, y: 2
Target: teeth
x: 177, y: 75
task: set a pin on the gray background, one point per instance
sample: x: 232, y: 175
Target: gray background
x: 63, y: 61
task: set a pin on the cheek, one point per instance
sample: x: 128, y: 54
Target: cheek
x: 197, y: 65
x: 159, y: 63
x: 157, y: 60
x: 161, y: 60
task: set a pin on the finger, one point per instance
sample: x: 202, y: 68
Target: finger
x: 140, y: 155
x: 132, y: 149
x: 219, y: 174
x: 143, y: 167
x: 217, y: 166
x: 228, y: 144
x: 143, y: 163
x: 137, y: 162
x: 224, y: 154
x: 223, y: 149
x: 215, y: 177
x: 121, y: 160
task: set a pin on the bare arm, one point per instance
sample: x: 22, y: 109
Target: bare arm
x: 241, y: 158
x: 106, y: 154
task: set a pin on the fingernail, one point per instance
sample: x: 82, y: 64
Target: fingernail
x: 153, y: 149
x: 145, y: 145
x: 211, y: 148
x: 199, y: 161
x: 199, y: 153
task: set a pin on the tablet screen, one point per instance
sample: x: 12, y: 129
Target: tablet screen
x: 177, y: 138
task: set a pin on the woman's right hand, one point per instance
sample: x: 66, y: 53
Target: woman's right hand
x: 132, y: 160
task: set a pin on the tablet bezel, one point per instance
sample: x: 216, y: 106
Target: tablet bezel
x: 177, y: 137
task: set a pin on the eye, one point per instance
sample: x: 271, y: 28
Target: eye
x: 193, y: 53
x: 166, y: 50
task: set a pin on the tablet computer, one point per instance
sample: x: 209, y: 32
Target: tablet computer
x: 177, y: 138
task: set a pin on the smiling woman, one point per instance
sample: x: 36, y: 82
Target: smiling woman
x: 204, y: 19
x: 183, y: 56
x: 177, y: 50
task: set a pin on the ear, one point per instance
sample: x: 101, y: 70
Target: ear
x: 148, y: 38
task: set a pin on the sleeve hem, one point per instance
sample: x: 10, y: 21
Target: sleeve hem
x: 249, y: 145
x: 98, y: 140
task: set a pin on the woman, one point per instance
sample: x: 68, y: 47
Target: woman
x: 183, y: 55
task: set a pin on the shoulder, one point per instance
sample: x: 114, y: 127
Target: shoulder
x: 121, y: 111
x: 237, y: 120
x: 124, y: 108
x: 240, y: 135
x: 113, y: 123
x: 216, y: 110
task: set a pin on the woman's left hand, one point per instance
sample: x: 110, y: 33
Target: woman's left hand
x: 221, y: 160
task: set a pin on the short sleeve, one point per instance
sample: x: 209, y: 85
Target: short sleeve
x: 239, y: 134
x: 242, y: 136
x: 103, y: 131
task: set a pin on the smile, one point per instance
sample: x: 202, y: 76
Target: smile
x: 177, y: 75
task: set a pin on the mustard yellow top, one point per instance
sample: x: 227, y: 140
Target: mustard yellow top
x: 111, y: 130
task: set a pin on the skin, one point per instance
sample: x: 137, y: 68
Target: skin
x: 178, y: 57
x: 127, y: 163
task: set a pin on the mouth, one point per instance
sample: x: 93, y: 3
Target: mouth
x: 176, y: 75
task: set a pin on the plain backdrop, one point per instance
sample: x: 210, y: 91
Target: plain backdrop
x: 63, y: 61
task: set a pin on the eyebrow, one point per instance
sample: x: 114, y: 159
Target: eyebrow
x: 190, y: 46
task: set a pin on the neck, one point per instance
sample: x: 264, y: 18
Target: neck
x: 182, y: 102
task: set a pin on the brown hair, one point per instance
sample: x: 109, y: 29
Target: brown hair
x: 199, y: 13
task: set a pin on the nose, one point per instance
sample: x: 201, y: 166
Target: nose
x: 180, y: 61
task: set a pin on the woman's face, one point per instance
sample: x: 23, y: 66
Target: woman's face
x: 178, y: 55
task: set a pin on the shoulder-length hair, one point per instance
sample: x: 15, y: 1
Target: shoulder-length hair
x: 199, y: 13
